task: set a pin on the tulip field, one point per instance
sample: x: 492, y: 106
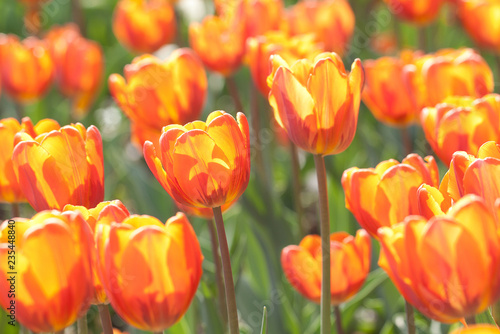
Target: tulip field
x: 250, y: 166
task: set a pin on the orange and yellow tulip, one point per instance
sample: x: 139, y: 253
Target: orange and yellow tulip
x: 10, y: 191
x: 331, y: 21
x: 26, y: 69
x: 143, y: 26
x: 419, y: 12
x: 53, y: 284
x: 151, y: 270
x: 480, y: 20
x: 386, y: 194
x: 350, y: 264
x: 79, y: 65
x: 60, y: 167
x: 203, y: 164
x: 477, y: 329
x: 157, y: 93
x: 447, y: 267
x: 462, y: 124
x: 317, y: 102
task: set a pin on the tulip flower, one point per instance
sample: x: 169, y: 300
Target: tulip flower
x: 447, y: 267
x: 151, y: 270
x: 477, y: 329
x: 203, y: 164
x: 27, y: 69
x: 143, y: 26
x: 53, y: 281
x: 79, y: 64
x: 331, y: 21
x: 154, y: 94
x: 385, y: 195
x: 432, y: 201
x: 350, y: 264
x: 60, y: 167
x: 10, y: 190
x: 462, y: 124
x: 419, y: 12
x: 317, y: 103
x: 480, y: 20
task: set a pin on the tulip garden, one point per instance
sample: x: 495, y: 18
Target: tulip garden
x: 249, y: 166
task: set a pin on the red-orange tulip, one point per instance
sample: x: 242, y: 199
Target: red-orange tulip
x: 480, y: 19
x: 331, y: 21
x: 385, y: 195
x: 143, y: 26
x: 317, y: 103
x: 418, y: 12
x: 448, y: 267
x: 151, y: 271
x: 60, y: 167
x: 350, y: 264
x: 26, y: 67
x: 477, y: 329
x: 462, y: 124
x: 53, y: 284
x: 203, y: 164
x: 79, y: 65
x: 154, y: 94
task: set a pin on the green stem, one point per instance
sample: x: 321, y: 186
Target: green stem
x: 232, y: 311
x: 338, y: 319
x: 82, y: 324
x: 60, y: 332
x: 422, y: 39
x: 471, y: 320
x: 410, y: 319
x: 406, y: 139
x: 158, y: 332
x: 19, y: 108
x: 23, y: 330
x: 233, y: 91
x: 77, y: 13
x: 296, y: 184
x: 319, y: 162
x: 106, y: 324
x: 15, y: 210
x: 218, y: 271
x: 497, y: 59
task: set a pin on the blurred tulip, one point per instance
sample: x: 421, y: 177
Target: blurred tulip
x: 350, y: 264
x: 10, y: 190
x: 143, y: 26
x: 203, y: 164
x: 447, y: 267
x: 477, y: 329
x: 154, y: 94
x: 219, y: 42
x: 331, y: 21
x: 480, y: 18
x: 262, y: 16
x: 151, y: 271
x: 461, y: 124
x: 385, y: 195
x: 384, y: 43
x: 79, y: 65
x: 26, y: 68
x: 419, y: 12
x: 317, y: 103
x: 60, y: 167
x: 53, y: 264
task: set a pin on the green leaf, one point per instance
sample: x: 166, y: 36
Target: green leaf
x: 263, y: 330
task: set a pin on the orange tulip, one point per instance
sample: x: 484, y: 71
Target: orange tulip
x: 477, y: 329
x: 60, y: 167
x: 290, y: 48
x: 419, y: 12
x: 10, y: 190
x: 432, y: 201
x: 151, y: 271
x: 220, y: 43
x: 79, y: 65
x: 448, y: 267
x: 203, y: 164
x: 462, y: 124
x: 53, y: 281
x: 143, y: 26
x: 350, y: 264
x: 388, y: 94
x: 332, y: 22
x: 385, y: 195
x: 480, y: 20
x: 26, y: 68
x: 105, y: 213
x: 154, y: 94
x: 317, y: 103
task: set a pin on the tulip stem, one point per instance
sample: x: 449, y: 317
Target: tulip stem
x: 410, y: 319
x: 233, y: 91
x: 60, y: 332
x: 471, y: 320
x: 338, y: 319
x: 218, y: 271
x: 422, y: 39
x: 319, y: 162
x: 497, y: 58
x: 106, y: 324
x: 77, y: 12
x: 406, y: 139
x: 15, y: 210
x: 82, y: 324
x: 19, y: 108
x: 232, y: 311
x: 296, y: 184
